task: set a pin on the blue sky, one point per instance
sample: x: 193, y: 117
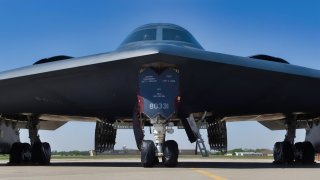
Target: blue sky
x: 35, y: 29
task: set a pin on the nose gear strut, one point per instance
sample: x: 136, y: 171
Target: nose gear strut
x: 159, y: 133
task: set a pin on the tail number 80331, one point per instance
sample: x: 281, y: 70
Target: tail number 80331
x: 159, y: 106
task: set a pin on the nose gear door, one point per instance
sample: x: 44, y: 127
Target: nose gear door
x: 158, y: 92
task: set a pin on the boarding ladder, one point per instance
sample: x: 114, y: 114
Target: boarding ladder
x: 195, y: 129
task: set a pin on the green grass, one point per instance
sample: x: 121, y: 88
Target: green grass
x: 4, y: 157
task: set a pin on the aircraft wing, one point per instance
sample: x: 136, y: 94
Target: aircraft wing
x: 160, y: 76
x: 231, y: 85
x: 106, y: 84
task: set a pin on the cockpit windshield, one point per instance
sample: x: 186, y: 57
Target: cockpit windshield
x: 142, y: 35
x: 177, y: 35
x: 160, y: 34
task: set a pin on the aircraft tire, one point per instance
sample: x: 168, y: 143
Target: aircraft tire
x: 41, y: 153
x: 304, y: 152
x: 20, y: 153
x: 15, y: 153
x: 283, y: 153
x: 298, y: 152
x: 170, y: 153
x: 156, y: 160
x: 26, y: 152
x: 148, y: 153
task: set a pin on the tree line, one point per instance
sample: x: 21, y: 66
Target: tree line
x: 70, y: 153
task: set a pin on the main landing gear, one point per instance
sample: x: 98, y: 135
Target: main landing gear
x: 286, y: 152
x: 36, y: 153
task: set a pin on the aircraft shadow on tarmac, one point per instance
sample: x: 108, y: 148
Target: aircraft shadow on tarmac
x: 226, y: 165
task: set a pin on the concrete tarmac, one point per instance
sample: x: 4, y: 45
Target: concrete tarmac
x: 188, y: 169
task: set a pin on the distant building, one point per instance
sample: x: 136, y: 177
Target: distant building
x: 91, y: 152
x: 248, y: 154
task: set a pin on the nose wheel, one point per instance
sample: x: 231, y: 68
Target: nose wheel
x: 170, y: 153
x: 169, y: 158
x: 148, y: 156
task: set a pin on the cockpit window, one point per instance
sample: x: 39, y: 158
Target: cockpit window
x: 177, y: 35
x: 142, y: 35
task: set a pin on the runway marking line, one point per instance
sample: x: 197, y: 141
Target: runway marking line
x: 208, y: 174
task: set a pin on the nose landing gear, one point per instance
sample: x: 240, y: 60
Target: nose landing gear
x: 167, y: 150
x: 158, y: 96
